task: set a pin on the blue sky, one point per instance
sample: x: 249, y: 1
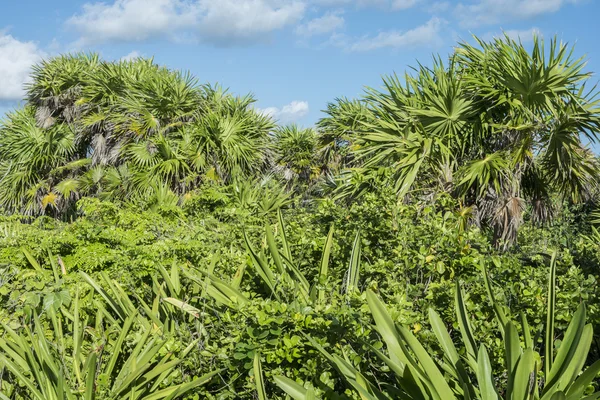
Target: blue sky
x: 294, y: 55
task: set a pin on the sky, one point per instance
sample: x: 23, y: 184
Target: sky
x: 295, y: 56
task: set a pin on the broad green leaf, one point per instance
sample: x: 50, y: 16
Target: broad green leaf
x: 386, y: 328
x: 258, y: 378
x: 324, y: 268
x: 551, y: 309
x: 292, y: 388
x: 485, y: 376
x: 193, y: 311
x: 521, y: 380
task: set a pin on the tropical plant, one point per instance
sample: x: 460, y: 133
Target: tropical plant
x: 468, y: 373
x: 338, y: 131
x: 295, y: 153
x: 56, y: 87
x: 119, y: 129
x: 37, y: 165
x: 498, y: 126
x: 283, y: 276
x: 190, y: 275
x: 275, y: 267
x: 92, y: 355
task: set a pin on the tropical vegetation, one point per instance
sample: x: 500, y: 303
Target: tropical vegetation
x: 433, y: 239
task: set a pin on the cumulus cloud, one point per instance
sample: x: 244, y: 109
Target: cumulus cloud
x: 329, y: 22
x: 404, y: 4
x: 221, y: 22
x: 131, y: 56
x: 289, y: 113
x: 391, y: 4
x: 525, y: 35
x: 427, y: 34
x: 486, y: 12
x: 131, y: 20
x: 438, y: 7
x: 16, y: 60
x: 246, y: 19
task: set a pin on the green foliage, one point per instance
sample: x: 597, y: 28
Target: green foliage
x: 160, y: 238
x: 128, y: 130
x: 33, y: 161
x: 498, y: 126
x: 418, y: 375
x: 296, y: 153
x: 91, y: 354
x: 201, y: 272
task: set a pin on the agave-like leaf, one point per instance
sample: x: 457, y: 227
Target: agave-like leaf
x: 465, y: 327
x: 193, y: 311
x: 324, y: 266
x: 549, y: 355
x: 258, y: 377
x: 294, y: 389
x: 485, y: 376
x: 568, y: 350
x: 262, y: 268
x: 523, y: 374
x: 387, y: 329
x: 455, y: 362
x: 512, y: 353
x: 221, y: 291
x: 353, y: 274
x: 578, y: 387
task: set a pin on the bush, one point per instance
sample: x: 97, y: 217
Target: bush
x: 186, y: 262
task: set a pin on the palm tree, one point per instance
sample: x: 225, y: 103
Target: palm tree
x: 56, y: 87
x: 499, y: 126
x: 123, y: 130
x: 344, y: 121
x: 295, y: 153
x: 229, y: 140
x: 36, y: 164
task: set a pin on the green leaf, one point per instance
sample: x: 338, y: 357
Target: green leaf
x: 521, y: 380
x: 258, y: 378
x: 465, y: 327
x: 324, y: 267
x: 576, y: 390
x: 485, y: 376
x: 570, y: 353
x: 32, y: 261
x: 193, y: 311
x: 292, y: 388
x: 386, y: 328
x: 549, y: 343
x: 354, y: 265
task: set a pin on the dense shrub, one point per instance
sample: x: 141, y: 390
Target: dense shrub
x: 412, y: 255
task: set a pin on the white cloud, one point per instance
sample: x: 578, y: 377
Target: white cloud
x: 438, y: 7
x: 131, y: 56
x: 16, y: 60
x: 525, y: 35
x: 403, y: 4
x: 288, y: 113
x: 242, y: 20
x: 386, y: 4
x: 332, y: 3
x: 427, y: 34
x: 131, y: 20
x: 487, y: 12
x: 329, y: 22
x: 223, y: 21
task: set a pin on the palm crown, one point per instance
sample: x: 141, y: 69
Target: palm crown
x: 499, y: 126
